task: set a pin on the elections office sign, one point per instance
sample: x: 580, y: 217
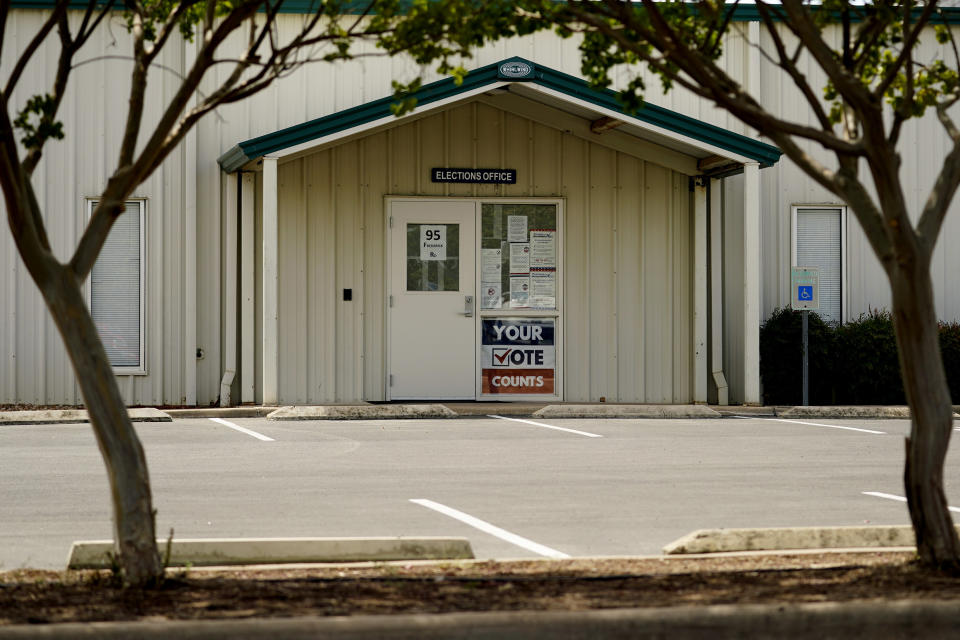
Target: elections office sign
x: 473, y: 176
x: 518, y: 356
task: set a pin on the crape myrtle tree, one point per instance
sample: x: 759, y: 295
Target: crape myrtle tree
x: 437, y: 31
x: 876, y: 81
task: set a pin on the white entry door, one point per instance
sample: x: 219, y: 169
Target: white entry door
x: 433, y: 302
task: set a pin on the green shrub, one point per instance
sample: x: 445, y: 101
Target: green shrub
x: 781, y: 359
x: 950, y: 347
x: 866, y: 365
x: 854, y: 363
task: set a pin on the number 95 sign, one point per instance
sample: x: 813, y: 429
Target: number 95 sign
x: 433, y: 242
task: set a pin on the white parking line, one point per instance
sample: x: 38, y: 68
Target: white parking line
x: 549, y: 426
x: 814, y: 424
x: 493, y: 530
x: 890, y: 496
x: 258, y: 436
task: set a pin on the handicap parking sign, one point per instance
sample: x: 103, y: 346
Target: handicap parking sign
x: 804, y: 288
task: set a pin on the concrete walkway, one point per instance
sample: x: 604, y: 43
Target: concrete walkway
x: 432, y: 410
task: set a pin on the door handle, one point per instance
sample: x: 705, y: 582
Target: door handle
x: 468, y: 306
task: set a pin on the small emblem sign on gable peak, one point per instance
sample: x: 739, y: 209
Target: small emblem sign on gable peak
x: 515, y: 70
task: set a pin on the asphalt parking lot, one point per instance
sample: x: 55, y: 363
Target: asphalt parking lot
x: 514, y: 487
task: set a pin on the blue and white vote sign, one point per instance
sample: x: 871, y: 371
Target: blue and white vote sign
x: 804, y: 288
x: 518, y: 356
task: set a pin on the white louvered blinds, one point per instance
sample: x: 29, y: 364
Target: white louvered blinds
x: 116, y: 289
x: 819, y: 238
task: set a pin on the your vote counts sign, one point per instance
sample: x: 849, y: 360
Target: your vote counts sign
x: 518, y: 355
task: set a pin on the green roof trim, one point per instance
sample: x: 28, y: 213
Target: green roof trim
x: 742, y: 12
x: 248, y: 150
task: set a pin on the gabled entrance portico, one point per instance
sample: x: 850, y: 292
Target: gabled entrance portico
x: 643, y: 234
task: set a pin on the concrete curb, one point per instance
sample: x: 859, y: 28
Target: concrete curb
x: 872, y: 412
x: 362, y: 412
x: 726, y: 540
x: 897, y: 619
x: 626, y: 411
x: 231, y: 551
x: 221, y: 412
x: 74, y: 416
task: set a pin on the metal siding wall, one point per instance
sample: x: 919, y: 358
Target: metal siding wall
x: 600, y: 302
x: 34, y: 367
x: 292, y: 319
x: 347, y: 163
x: 576, y: 277
x: 321, y: 279
x: 376, y: 169
x: 488, y: 135
x: 784, y: 185
x: 258, y: 288
x: 657, y: 247
x: 733, y: 286
x: 210, y: 269
x: 681, y: 265
x: 631, y: 274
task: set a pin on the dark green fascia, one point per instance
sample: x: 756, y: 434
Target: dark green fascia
x: 350, y: 7
x: 242, y: 153
x: 763, y: 153
x: 750, y: 13
x: 233, y: 159
x: 349, y: 118
x: 742, y: 12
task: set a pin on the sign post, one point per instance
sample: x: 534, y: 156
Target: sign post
x: 804, y: 296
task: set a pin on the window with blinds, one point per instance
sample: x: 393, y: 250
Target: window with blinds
x: 116, y: 290
x: 818, y: 234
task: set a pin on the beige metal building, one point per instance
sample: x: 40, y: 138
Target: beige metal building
x: 613, y: 210
x: 518, y: 236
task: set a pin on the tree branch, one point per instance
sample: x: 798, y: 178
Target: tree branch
x: 23, y: 216
x: 707, y: 79
x: 69, y: 45
x: 4, y: 10
x: 909, y: 42
x: 169, y: 26
x: 133, y: 172
x: 945, y: 187
x: 59, y: 87
x: 847, y: 85
x: 788, y: 64
x: 138, y: 89
x: 59, y: 10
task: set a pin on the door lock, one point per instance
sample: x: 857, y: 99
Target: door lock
x: 468, y: 306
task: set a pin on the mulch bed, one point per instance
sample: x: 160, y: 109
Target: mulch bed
x: 30, y: 596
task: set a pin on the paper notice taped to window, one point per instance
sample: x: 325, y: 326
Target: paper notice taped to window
x: 519, y: 291
x: 543, y: 248
x: 490, y: 265
x: 543, y: 289
x: 517, y: 228
x: 519, y: 257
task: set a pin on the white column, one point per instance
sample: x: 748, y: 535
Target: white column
x: 270, y: 283
x: 230, y: 213
x: 700, y: 291
x: 248, y: 269
x: 751, y: 284
x: 716, y: 292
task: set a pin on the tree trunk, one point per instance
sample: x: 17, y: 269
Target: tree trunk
x: 928, y: 395
x: 135, y: 540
